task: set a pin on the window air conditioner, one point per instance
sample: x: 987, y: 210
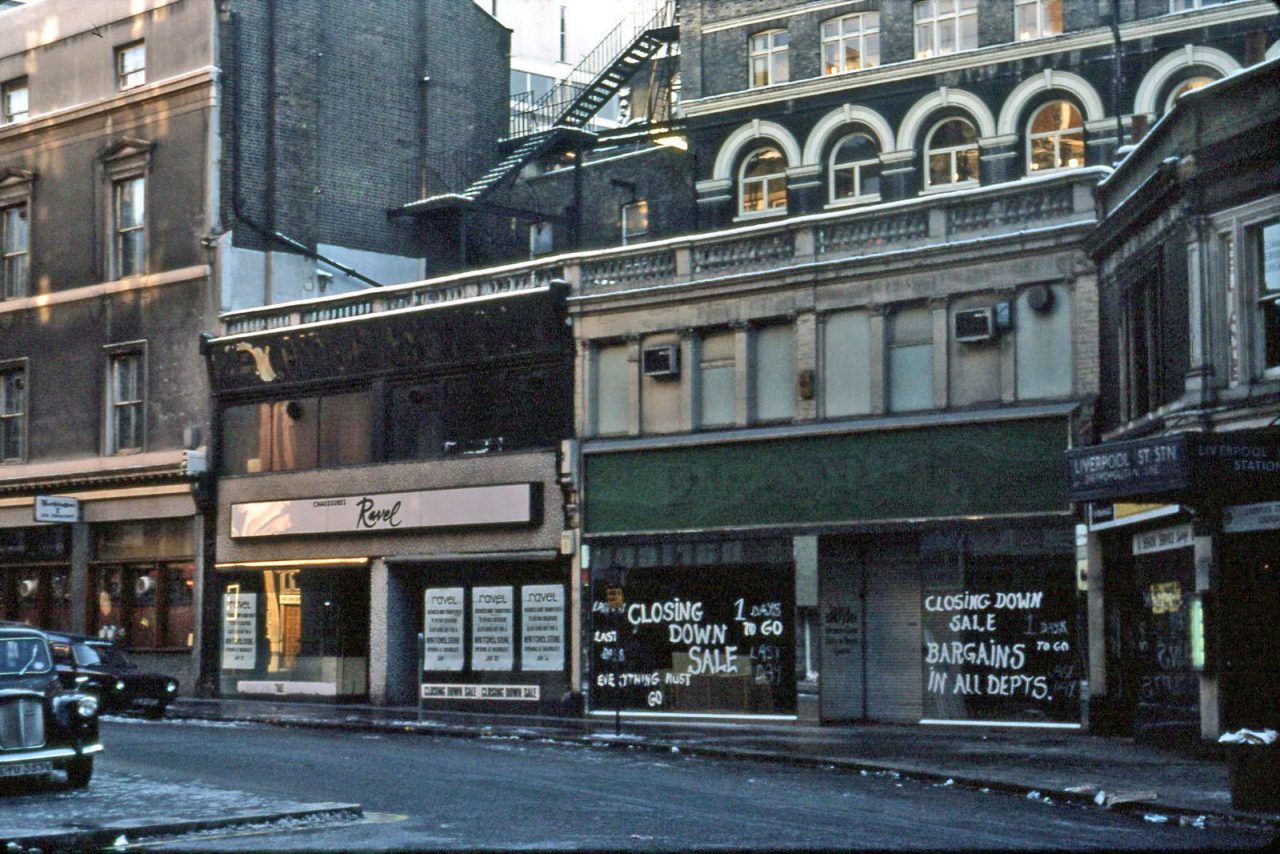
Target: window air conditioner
x: 974, y: 324
x: 662, y: 361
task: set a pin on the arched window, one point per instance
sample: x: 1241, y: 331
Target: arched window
x: 1184, y: 87
x: 1055, y: 138
x: 855, y: 168
x: 762, y: 184
x: 952, y: 154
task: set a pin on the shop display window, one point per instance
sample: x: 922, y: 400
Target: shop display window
x: 145, y: 606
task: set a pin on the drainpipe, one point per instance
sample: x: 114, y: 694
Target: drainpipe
x: 1117, y: 91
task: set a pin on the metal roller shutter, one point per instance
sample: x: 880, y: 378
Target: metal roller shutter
x: 895, y: 690
x: 840, y: 608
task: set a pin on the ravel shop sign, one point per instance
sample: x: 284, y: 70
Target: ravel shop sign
x: 1199, y: 467
x: 505, y: 504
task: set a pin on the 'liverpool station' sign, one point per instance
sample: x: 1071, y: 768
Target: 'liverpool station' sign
x: 1196, y: 467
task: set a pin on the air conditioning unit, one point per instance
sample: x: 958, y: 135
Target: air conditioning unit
x: 974, y: 324
x: 663, y: 361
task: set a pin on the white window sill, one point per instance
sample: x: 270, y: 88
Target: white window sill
x: 755, y: 215
x: 852, y: 201
x: 949, y: 188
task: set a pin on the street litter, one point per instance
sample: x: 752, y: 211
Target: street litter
x: 1156, y: 818
x: 1116, y: 798
x: 1191, y: 821
x: 1033, y: 795
x: 1248, y: 736
x: 1084, y: 789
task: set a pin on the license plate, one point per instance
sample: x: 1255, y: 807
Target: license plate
x: 25, y: 769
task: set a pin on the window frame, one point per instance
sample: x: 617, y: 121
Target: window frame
x: 1237, y: 263
x: 117, y: 354
x: 962, y: 12
x: 130, y: 78
x: 1056, y: 136
x: 769, y: 55
x: 1041, y: 7
x: 628, y: 236
x: 840, y: 39
x: 951, y: 152
x: 766, y: 181
x: 8, y: 89
x: 858, y: 197
x: 9, y: 368
x: 896, y: 339
x: 1176, y: 6
x: 10, y: 257
x: 122, y: 234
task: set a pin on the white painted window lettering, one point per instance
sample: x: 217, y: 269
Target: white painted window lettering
x: 542, y: 627
x: 442, y: 628
x: 239, y: 622
x: 492, y: 628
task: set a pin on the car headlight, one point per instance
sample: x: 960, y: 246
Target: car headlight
x: 87, y: 706
x: 119, y: 684
x: 171, y: 687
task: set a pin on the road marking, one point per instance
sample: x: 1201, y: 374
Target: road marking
x: 281, y: 826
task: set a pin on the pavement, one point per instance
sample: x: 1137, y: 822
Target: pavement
x: 1064, y: 765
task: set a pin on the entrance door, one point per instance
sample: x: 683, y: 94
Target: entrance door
x: 841, y: 690
x: 1250, y: 635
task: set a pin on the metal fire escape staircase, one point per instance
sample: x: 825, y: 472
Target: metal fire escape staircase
x: 557, y: 121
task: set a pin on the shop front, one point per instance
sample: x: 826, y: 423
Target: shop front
x: 1181, y: 582
x: 923, y: 575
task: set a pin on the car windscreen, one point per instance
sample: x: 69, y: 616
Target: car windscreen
x: 86, y: 656
x: 24, y: 655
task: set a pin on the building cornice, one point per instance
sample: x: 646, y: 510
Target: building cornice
x: 1008, y: 52
x: 167, y: 88
x: 119, y: 286
x: 92, y: 473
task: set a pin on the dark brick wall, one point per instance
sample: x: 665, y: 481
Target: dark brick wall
x: 341, y: 116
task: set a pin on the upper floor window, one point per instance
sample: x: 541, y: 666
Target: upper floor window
x: 125, y: 385
x: 14, y: 101
x: 13, y: 412
x: 945, y: 26
x: 131, y: 65
x: 1038, y: 19
x: 1263, y: 244
x: 717, y: 380
x: 850, y: 43
x: 1055, y: 139
x: 610, y: 389
x: 635, y: 221
x: 762, y: 186
x: 15, y: 239
x: 773, y: 372
x: 769, y: 58
x: 1189, y: 85
x: 952, y: 154
x: 1188, y: 5
x: 855, y: 169
x: 128, y: 227
x: 910, y: 362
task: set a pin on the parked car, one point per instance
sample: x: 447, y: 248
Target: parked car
x: 44, y: 725
x: 98, y: 665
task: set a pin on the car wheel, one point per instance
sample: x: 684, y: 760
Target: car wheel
x: 79, y: 772
x: 155, y: 712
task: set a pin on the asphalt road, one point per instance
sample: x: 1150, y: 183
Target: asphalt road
x: 451, y: 793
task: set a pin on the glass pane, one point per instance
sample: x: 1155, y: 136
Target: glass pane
x: 109, y: 610
x: 968, y: 32
x: 1042, y: 154
x: 939, y: 169
x: 15, y: 229
x: 293, y: 434
x: 128, y: 427
x: 1059, y: 115
x: 951, y: 133
x: 871, y: 50
x: 717, y: 396
x: 842, y: 183
x: 1026, y: 23
x: 870, y: 179
x: 946, y: 36
x: 345, y: 422
x: 1071, y: 150
x: 781, y: 72
x: 760, y: 71
x: 831, y: 61
x: 246, y: 432
x: 59, y: 599
x: 1271, y: 333
x: 143, y: 631
x: 924, y: 10
x: 13, y: 392
x: 777, y: 192
x: 179, y: 598
x: 831, y: 29
x: 10, y: 439
x: 1269, y: 255
x: 774, y: 373
x: 752, y: 196
x: 764, y: 163
x: 967, y: 165
x: 130, y: 202
x: 911, y: 377
x: 611, y: 389
x: 846, y: 349
x: 1052, y: 17
x: 856, y: 147
x: 781, y: 39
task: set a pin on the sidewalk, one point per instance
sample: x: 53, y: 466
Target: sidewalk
x: 1053, y: 763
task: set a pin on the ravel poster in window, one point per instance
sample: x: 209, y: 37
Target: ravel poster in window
x: 239, y: 638
x: 442, y: 628
x: 492, y: 628
x: 542, y: 627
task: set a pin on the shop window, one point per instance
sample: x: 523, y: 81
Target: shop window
x: 846, y: 352
x: 13, y: 411
x: 146, y: 606
x: 851, y: 43
x: 945, y: 26
x: 31, y: 592
x: 15, y: 250
x: 301, y: 433
x: 1263, y: 244
x: 768, y: 57
x: 910, y: 362
x: 14, y: 101
x: 717, y: 380
x: 635, y: 221
x: 952, y: 155
x: 762, y: 183
x: 855, y: 169
x: 131, y: 65
x: 610, y: 389
x: 773, y: 370
x: 1037, y: 19
x: 344, y: 429
x: 1055, y: 138
x: 126, y: 383
x: 128, y: 227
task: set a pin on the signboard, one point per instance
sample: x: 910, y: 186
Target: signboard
x: 53, y: 508
x: 677, y: 639
x: 239, y: 630
x: 542, y: 627
x: 999, y: 645
x: 492, y: 628
x: 1251, y: 517
x: 480, y: 692
x: 1163, y: 540
x: 442, y: 628
x: 507, y: 504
